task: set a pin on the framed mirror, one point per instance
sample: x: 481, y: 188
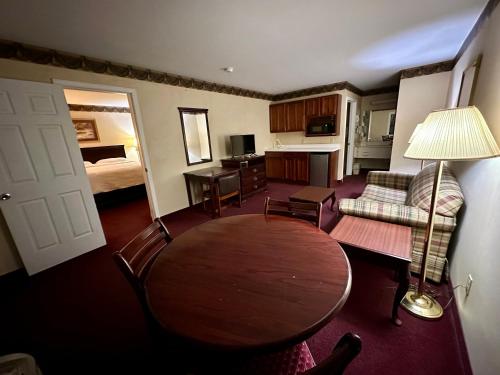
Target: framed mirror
x: 194, y: 122
x: 381, y: 124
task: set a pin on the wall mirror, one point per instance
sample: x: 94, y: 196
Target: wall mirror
x: 381, y: 125
x: 196, y: 135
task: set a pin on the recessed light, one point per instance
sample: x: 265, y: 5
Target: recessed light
x: 228, y: 69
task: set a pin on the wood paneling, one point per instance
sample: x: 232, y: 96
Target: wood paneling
x: 332, y: 168
x: 295, y: 120
x: 296, y: 167
x: 312, y: 107
x: 328, y: 105
x: 275, y: 165
x: 277, y: 118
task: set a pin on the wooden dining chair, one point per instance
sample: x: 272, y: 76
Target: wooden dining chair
x: 225, y: 188
x: 298, y: 360
x: 300, y: 210
x: 136, y: 257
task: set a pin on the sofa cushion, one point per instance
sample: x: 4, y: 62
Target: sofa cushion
x: 383, y: 194
x: 450, y: 197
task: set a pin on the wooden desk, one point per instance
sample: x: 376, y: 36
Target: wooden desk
x: 207, y: 176
x: 391, y: 240
x: 248, y: 282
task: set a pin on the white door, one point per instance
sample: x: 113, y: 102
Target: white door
x: 350, y: 138
x: 45, y: 194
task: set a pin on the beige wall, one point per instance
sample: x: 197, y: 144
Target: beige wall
x: 227, y: 114
x: 417, y: 97
x: 294, y: 138
x: 475, y: 247
x: 113, y: 129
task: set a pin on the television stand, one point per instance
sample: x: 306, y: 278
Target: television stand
x: 252, y: 172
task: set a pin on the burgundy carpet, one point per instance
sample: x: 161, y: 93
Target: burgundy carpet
x: 83, y: 317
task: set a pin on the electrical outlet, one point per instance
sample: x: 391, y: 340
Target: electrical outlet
x: 468, y: 285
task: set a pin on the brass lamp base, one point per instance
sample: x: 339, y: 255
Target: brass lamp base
x: 422, y: 305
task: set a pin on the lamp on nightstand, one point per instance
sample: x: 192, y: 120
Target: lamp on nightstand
x: 453, y: 134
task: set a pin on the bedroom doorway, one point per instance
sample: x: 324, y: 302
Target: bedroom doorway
x: 109, y: 133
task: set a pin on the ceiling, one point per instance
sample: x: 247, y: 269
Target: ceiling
x: 274, y: 46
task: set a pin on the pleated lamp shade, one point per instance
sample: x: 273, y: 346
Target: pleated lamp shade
x: 417, y: 129
x: 453, y: 134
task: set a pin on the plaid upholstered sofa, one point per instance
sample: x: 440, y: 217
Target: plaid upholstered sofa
x: 405, y: 199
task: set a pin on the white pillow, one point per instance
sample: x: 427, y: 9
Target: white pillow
x: 111, y: 160
x: 87, y: 163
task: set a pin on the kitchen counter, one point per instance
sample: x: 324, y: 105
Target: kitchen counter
x: 316, y: 147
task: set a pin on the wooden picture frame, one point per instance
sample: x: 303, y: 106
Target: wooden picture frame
x: 468, y: 84
x: 86, y: 130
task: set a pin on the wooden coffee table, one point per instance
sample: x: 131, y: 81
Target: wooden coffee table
x: 390, y: 240
x: 314, y: 194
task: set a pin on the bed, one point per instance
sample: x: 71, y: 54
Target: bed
x: 114, y: 178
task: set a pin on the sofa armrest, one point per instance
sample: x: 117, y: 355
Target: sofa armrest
x: 392, y: 180
x: 394, y: 213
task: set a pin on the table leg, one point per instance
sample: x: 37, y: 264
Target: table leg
x: 188, y: 188
x: 404, y: 282
x: 213, y: 192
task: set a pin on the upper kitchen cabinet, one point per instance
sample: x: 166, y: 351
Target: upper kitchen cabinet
x: 277, y: 118
x: 293, y: 116
x: 287, y: 117
x: 295, y: 121
x: 321, y: 106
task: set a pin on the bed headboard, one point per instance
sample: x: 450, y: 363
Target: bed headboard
x: 94, y: 154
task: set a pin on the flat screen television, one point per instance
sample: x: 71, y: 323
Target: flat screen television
x: 242, y: 144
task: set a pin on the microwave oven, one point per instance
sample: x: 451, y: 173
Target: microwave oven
x: 322, y: 126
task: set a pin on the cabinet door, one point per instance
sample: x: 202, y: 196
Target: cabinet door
x: 294, y: 116
x: 277, y: 118
x: 312, y: 107
x: 332, y: 168
x: 274, y: 165
x: 296, y: 167
x: 302, y: 168
x: 328, y: 105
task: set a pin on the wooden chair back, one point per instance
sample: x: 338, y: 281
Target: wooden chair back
x: 225, y: 188
x: 135, y: 258
x: 306, y: 211
x: 348, y: 347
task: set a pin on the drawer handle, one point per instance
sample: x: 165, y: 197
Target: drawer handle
x: 255, y: 178
x: 256, y: 186
x: 254, y: 170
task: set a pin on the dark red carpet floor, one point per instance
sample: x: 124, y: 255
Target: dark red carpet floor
x: 83, y: 317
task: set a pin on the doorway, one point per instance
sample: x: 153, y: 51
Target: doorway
x: 349, y: 136
x: 130, y: 154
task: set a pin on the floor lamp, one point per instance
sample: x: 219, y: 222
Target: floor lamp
x: 453, y: 134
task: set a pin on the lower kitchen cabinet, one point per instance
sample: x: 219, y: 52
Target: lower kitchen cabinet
x: 294, y: 167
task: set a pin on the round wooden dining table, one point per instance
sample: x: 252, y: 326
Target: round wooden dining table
x: 248, y: 282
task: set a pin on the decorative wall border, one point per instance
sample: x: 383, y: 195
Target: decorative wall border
x: 97, y: 108
x: 45, y: 56
x: 317, y: 90
x: 424, y: 70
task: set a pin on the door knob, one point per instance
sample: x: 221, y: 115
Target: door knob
x: 5, y: 196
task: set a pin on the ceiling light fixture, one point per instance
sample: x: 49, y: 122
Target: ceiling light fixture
x: 228, y: 69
